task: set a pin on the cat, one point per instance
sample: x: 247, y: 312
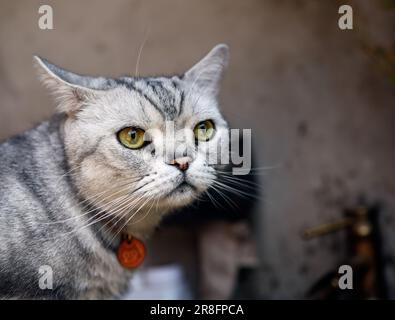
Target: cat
x: 71, y: 186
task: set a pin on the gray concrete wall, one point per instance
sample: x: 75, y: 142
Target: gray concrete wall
x: 321, y: 110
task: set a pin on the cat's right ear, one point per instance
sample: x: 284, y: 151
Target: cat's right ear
x: 71, y: 91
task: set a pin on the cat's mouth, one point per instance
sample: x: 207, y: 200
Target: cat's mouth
x: 183, y: 193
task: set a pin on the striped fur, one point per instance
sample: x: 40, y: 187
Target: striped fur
x: 68, y: 187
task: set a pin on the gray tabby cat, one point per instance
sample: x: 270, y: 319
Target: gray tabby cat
x: 71, y: 186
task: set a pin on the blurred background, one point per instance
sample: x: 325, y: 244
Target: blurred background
x: 321, y: 105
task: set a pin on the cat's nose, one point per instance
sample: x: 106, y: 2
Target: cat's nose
x: 181, y: 163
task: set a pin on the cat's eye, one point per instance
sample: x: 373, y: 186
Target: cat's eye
x: 131, y: 137
x: 204, y: 130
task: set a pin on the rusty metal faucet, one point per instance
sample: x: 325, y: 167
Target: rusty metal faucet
x: 363, y: 254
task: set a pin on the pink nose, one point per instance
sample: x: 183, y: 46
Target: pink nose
x: 181, y: 163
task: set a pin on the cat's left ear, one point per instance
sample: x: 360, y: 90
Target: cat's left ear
x: 207, y: 73
x: 71, y: 91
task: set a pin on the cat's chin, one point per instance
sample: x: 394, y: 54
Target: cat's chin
x: 180, y: 196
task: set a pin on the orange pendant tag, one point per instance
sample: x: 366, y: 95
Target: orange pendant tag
x: 131, y: 252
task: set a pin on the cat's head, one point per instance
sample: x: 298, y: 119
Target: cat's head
x: 136, y: 143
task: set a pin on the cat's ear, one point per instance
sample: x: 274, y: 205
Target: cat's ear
x: 71, y: 91
x: 207, y: 73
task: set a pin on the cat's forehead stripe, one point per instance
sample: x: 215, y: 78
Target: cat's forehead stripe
x: 163, y: 94
x: 166, y: 96
x: 130, y: 85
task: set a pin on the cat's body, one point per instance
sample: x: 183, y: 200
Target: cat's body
x: 68, y: 188
x: 35, y: 194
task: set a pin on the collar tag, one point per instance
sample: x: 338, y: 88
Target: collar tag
x: 131, y: 252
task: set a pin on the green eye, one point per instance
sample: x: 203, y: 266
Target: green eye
x: 204, y: 130
x: 132, y: 138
